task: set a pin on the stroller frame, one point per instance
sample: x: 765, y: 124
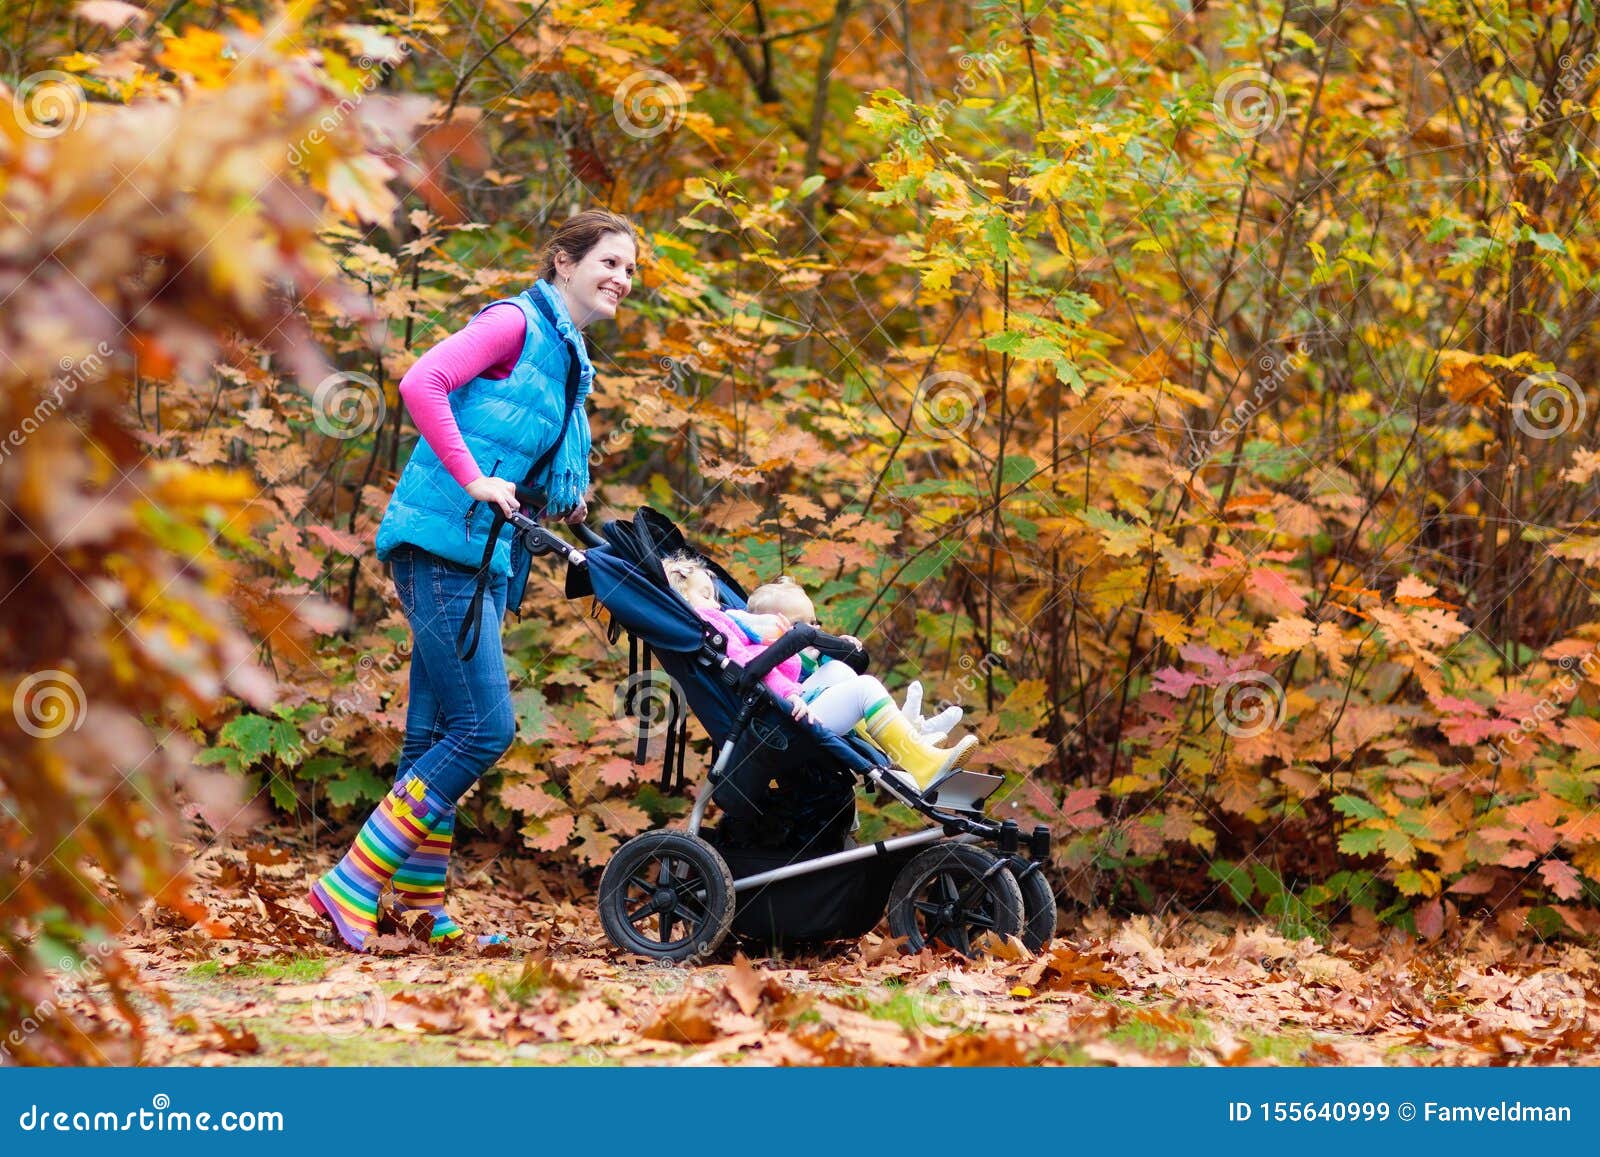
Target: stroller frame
x: 953, y: 804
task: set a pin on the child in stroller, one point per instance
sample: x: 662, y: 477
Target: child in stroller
x: 770, y: 610
x: 833, y: 695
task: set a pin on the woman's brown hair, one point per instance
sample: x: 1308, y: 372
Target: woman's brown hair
x: 580, y: 233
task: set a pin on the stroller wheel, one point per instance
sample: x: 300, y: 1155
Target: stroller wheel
x: 667, y: 895
x: 953, y: 893
x: 1038, y: 904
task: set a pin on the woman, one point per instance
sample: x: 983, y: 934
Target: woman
x: 498, y: 404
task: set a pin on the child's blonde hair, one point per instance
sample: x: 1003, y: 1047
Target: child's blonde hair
x: 783, y: 596
x: 682, y: 569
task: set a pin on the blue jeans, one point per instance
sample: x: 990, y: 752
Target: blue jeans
x: 459, y: 721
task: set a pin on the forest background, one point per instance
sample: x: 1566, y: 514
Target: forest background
x: 1202, y: 395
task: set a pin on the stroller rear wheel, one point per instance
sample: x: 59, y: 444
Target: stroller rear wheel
x: 667, y: 895
x: 953, y: 893
x: 1038, y: 904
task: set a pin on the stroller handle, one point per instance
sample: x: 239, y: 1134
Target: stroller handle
x: 586, y: 536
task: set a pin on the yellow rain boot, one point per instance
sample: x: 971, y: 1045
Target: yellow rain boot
x: 898, y: 738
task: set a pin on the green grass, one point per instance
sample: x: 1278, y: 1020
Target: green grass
x: 296, y: 970
x: 1289, y: 1049
x: 1147, y: 1037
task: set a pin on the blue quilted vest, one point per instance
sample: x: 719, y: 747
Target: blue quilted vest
x: 507, y: 424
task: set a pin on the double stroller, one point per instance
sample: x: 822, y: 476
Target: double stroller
x: 780, y: 866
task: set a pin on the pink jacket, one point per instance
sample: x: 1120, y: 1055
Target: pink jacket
x: 784, y: 678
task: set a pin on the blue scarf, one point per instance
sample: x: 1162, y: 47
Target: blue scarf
x: 566, y: 481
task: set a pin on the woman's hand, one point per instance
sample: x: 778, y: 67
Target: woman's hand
x: 579, y: 513
x: 501, y: 492
x: 800, y: 711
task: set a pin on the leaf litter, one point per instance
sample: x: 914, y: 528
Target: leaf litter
x: 259, y: 982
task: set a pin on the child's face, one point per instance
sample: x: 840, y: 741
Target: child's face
x: 695, y: 586
x: 702, y: 591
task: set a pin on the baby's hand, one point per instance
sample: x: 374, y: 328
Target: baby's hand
x: 780, y: 625
x: 853, y: 641
x: 801, y: 712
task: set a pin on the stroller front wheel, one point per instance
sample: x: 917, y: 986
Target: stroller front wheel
x: 667, y: 895
x: 953, y: 893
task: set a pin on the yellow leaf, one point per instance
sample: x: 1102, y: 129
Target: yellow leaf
x: 199, y: 53
x: 1462, y: 376
x: 1170, y: 627
x: 1289, y: 633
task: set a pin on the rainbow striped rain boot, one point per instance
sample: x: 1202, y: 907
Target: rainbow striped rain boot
x: 348, y: 894
x: 420, y: 883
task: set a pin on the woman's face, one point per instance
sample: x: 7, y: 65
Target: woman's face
x: 596, y: 285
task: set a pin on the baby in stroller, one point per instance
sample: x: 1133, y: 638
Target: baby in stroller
x: 773, y: 607
x: 838, y: 700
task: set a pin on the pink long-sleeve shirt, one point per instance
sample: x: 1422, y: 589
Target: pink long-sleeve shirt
x: 784, y: 679
x: 488, y: 346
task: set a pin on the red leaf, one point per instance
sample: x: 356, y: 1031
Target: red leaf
x: 338, y: 540
x: 549, y: 835
x: 1562, y: 879
x: 1276, y: 591
x: 1430, y: 920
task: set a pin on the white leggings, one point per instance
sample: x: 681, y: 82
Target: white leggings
x: 844, y: 697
